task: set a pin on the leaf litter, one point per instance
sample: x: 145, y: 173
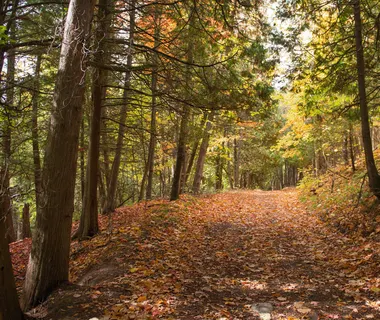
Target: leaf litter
x: 216, y: 257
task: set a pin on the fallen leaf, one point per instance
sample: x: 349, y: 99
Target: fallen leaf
x: 141, y: 299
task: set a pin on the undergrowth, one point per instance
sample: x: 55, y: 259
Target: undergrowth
x: 341, y: 197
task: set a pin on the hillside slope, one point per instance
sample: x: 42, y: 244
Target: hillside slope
x: 342, y: 199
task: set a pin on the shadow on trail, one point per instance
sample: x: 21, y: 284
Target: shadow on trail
x: 220, y: 257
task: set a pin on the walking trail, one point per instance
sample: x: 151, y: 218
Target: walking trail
x: 234, y: 255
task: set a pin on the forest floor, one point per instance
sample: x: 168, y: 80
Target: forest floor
x: 234, y: 255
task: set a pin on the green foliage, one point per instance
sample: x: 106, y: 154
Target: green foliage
x: 3, y: 35
x: 232, y: 75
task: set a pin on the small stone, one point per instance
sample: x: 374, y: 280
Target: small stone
x: 263, y: 309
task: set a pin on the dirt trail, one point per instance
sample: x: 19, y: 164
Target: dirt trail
x: 223, y: 256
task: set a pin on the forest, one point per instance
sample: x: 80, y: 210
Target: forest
x: 189, y: 159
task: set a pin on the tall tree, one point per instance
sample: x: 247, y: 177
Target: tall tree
x: 26, y: 232
x: 153, y: 125
x: 49, y: 259
x: 194, y: 150
x: 35, y: 135
x: 88, y: 225
x: 236, y: 161
x: 9, y: 304
x: 373, y: 174
x: 180, y: 165
x: 7, y: 151
x: 202, y: 154
x: 110, y: 201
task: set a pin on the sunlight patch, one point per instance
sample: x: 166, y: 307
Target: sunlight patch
x: 253, y: 284
x: 289, y: 287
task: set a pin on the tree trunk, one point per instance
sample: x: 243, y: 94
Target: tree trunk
x: 6, y: 204
x: 230, y: 174
x: 243, y: 182
x: 143, y: 179
x: 202, y: 155
x: 152, y: 147
x: 184, y: 164
x: 109, y: 205
x: 7, y: 138
x: 219, y: 168
x: 194, y: 151
x: 345, y: 148
x: 110, y: 201
x: 135, y: 178
x: 106, y: 159
x: 219, y: 173
x: 9, y: 304
x: 49, y: 259
x: 229, y: 168
x: 6, y: 199
x: 82, y: 166
x: 236, y: 162
x: 153, y: 129
x: 142, y: 184
x: 26, y: 233
x: 373, y: 175
x: 181, y: 155
x: 352, y: 149
x: 17, y: 225
x: 35, y: 142
x: 316, y: 163
x: 102, y: 189
x: 192, y: 156
x: 183, y: 132
x: 89, y: 226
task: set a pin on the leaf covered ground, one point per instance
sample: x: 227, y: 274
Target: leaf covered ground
x: 217, y: 257
x: 342, y: 199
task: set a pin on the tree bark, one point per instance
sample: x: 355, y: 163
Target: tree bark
x: 106, y: 159
x: 219, y: 168
x: 49, y: 259
x: 183, y: 132
x: 143, y: 179
x: 35, y: 142
x: 89, y: 226
x: 192, y: 156
x: 345, y: 148
x: 7, y: 140
x: 229, y: 170
x: 82, y: 166
x: 153, y: 129
x: 142, y: 184
x: 181, y: 154
x: 6, y: 128
x: 202, y: 155
x: 236, y: 162
x: 219, y: 173
x: 373, y: 175
x: 110, y: 201
x: 352, y: 149
x: 9, y: 304
x: 194, y: 151
x: 26, y: 233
